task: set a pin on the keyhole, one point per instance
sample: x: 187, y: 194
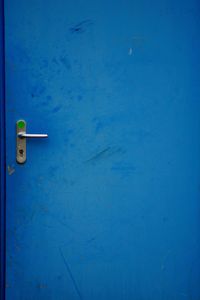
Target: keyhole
x: 21, y: 152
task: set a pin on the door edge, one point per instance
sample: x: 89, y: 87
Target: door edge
x: 2, y: 155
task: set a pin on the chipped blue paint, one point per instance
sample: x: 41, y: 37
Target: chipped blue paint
x: 108, y: 207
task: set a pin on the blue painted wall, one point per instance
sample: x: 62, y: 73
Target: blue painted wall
x: 108, y: 207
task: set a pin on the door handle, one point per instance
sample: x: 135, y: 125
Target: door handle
x: 21, y: 137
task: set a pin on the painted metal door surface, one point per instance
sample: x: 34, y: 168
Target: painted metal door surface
x: 108, y: 207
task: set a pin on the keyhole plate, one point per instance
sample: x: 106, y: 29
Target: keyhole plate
x: 20, y: 143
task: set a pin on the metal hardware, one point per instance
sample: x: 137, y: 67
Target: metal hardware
x: 21, y: 140
x: 23, y: 135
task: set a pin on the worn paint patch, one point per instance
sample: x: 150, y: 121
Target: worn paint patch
x: 11, y: 170
x: 81, y: 27
x: 130, y: 52
x: 136, y: 42
x: 105, y: 153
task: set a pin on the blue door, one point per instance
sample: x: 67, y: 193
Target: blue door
x: 108, y: 206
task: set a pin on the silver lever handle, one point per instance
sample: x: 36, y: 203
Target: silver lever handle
x: 21, y: 136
